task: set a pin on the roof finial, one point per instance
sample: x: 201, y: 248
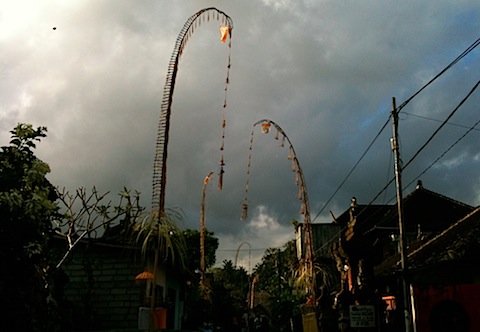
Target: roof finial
x: 419, y: 184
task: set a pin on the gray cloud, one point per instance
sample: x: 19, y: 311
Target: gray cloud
x: 324, y: 71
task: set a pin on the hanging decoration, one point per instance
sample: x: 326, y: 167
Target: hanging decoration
x: 308, y: 269
x: 266, y: 127
x: 163, y: 129
x: 247, y: 181
x: 295, y: 167
x: 225, y: 32
x: 161, y: 148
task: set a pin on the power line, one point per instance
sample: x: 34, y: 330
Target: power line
x: 436, y: 120
x: 416, y: 154
x: 426, y: 143
x: 399, y: 108
x: 443, y: 124
x: 461, y: 56
x: 446, y: 151
x: 353, y: 168
x: 253, y: 249
x: 454, y: 62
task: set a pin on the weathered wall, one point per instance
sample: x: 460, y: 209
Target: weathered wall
x: 453, y: 307
x: 102, y: 289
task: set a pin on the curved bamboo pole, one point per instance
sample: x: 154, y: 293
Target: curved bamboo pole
x: 161, y: 148
x: 160, y: 162
x: 202, y: 228
x: 249, y: 254
x: 302, y: 195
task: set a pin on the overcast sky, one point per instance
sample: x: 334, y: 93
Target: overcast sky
x: 324, y: 71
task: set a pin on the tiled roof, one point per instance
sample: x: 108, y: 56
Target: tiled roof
x: 433, y: 211
x: 458, y: 242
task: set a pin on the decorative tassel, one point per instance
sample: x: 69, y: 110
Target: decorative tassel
x: 294, y: 166
x: 297, y: 178
x: 220, y: 179
x: 302, y: 208
x: 244, y: 210
x: 224, y: 33
x: 290, y: 154
x: 300, y: 193
x: 283, y: 141
x: 266, y: 127
x: 276, y: 135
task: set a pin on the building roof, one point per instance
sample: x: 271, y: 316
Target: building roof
x: 460, y: 241
x: 457, y: 243
x: 429, y: 209
x: 432, y: 211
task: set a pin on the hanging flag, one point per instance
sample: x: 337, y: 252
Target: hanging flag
x: 224, y: 32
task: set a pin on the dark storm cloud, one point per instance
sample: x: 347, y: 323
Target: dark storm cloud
x: 324, y: 71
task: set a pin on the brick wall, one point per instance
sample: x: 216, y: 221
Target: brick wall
x: 101, y: 288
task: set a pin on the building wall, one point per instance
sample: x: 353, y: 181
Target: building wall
x: 101, y: 287
x: 324, y: 235
x: 453, y: 307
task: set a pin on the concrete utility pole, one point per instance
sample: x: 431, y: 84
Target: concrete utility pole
x: 401, y: 226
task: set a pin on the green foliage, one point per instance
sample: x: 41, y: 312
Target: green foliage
x: 228, y: 290
x: 192, y: 239
x: 27, y: 208
x: 163, y: 234
x: 277, y: 275
x: 27, y: 199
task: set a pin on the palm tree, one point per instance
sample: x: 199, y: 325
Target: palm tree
x: 161, y: 235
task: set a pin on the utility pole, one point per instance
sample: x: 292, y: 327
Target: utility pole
x: 402, y: 238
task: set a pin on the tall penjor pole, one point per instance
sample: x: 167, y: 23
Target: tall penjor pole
x: 308, y: 269
x: 161, y: 149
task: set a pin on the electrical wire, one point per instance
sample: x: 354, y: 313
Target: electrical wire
x: 425, y: 144
x: 460, y: 57
x: 446, y: 151
x: 454, y: 62
x: 351, y: 171
x: 442, y: 125
x: 436, y: 120
x: 399, y: 108
x: 415, y: 155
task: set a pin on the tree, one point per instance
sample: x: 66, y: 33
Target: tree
x: 32, y: 211
x: 277, y: 276
x: 198, y: 295
x: 27, y: 209
x: 230, y: 287
x: 192, y: 238
x: 86, y: 215
x: 163, y: 237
